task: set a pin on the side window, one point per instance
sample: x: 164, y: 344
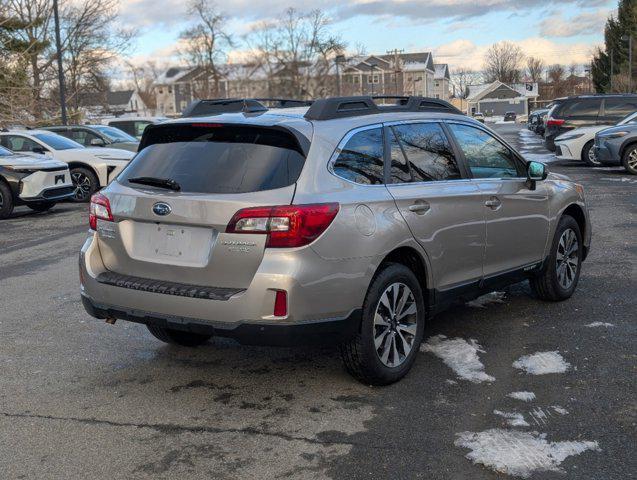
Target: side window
x: 140, y: 127
x: 18, y: 143
x: 486, y: 157
x: 618, y: 108
x: 582, y: 108
x: 83, y: 137
x: 361, y: 159
x: 428, y: 152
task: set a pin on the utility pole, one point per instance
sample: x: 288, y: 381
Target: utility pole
x: 58, y: 47
x: 611, y: 70
x: 395, y: 52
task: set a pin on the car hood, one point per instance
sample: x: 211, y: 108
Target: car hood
x: 28, y: 161
x: 95, y: 154
x: 592, y: 130
x: 129, y: 146
x: 619, y: 128
x: 111, y: 153
x: 558, y: 176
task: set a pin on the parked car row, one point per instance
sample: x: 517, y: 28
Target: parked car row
x: 596, y: 129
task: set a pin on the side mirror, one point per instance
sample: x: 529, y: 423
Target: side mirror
x: 535, y: 172
x: 40, y: 150
x: 97, y: 142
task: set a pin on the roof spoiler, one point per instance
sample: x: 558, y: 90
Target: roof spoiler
x: 217, y: 106
x: 341, y: 107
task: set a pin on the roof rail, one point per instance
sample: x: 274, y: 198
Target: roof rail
x: 218, y: 106
x: 341, y: 107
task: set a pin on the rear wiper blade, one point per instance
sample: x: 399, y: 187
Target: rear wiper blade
x: 157, y: 182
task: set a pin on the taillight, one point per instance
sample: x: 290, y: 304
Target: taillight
x: 555, y: 122
x: 100, y: 208
x: 286, y: 225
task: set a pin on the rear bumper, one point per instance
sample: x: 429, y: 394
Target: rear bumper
x: 319, y: 332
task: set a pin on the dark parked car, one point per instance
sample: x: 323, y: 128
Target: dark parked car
x: 134, y: 126
x: 585, y: 111
x: 535, y: 120
x: 618, y: 146
x: 510, y: 116
x: 97, y: 136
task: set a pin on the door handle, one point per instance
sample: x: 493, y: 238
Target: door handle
x: 493, y: 203
x: 420, y: 207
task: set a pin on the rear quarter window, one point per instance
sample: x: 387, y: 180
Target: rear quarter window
x: 361, y: 158
x: 218, y: 159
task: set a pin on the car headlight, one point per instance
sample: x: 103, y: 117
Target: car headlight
x: 614, y: 135
x: 569, y: 137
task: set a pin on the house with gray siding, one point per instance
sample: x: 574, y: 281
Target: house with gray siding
x: 497, y: 98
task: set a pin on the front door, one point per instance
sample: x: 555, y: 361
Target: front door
x: 444, y: 211
x: 517, y: 218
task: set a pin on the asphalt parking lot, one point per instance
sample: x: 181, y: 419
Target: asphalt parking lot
x: 82, y: 399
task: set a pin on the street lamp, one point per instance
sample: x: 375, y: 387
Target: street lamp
x: 629, y: 38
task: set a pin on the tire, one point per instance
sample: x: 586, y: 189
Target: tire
x: 360, y: 355
x: 6, y: 200
x: 40, y: 206
x: 559, y: 277
x: 629, y: 160
x: 178, y: 337
x: 588, y: 155
x: 85, y: 183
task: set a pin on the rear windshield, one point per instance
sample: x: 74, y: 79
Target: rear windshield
x: 214, y: 158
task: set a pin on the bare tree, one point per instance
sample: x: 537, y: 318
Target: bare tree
x: 297, y: 51
x: 143, y: 78
x: 461, y: 78
x: 534, y: 68
x: 206, y: 43
x: 557, y: 78
x: 91, y: 42
x: 502, y: 62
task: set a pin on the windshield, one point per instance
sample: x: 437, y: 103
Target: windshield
x: 57, y: 142
x: 629, y: 119
x: 115, y: 134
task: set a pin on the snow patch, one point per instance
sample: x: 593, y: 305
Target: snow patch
x: 522, y: 396
x: 541, y: 363
x: 488, y: 299
x: 514, y: 419
x: 519, y: 453
x: 560, y: 410
x: 599, y: 324
x: 459, y: 355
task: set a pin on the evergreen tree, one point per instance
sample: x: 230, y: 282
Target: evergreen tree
x: 624, y: 24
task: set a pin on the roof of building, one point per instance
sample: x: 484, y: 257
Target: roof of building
x: 441, y: 71
x: 120, y: 97
x: 477, y: 92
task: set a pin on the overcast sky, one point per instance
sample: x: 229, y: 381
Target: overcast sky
x: 457, y: 31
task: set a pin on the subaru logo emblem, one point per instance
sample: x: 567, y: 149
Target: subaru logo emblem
x: 162, y: 209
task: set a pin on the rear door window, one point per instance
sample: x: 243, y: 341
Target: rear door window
x: 361, y: 159
x: 427, y: 154
x: 581, y: 108
x: 218, y: 159
x: 616, y: 109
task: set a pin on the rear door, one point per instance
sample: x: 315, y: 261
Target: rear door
x: 517, y: 218
x: 444, y: 211
x: 170, y: 235
x: 581, y: 112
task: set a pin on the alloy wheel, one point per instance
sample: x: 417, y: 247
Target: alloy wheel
x: 567, y: 261
x: 395, y: 324
x: 591, y: 156
x: 1, y: 200
x: 82, y: 186
x: 632, y: 160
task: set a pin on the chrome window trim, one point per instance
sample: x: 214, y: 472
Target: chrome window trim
x: 339, y: 148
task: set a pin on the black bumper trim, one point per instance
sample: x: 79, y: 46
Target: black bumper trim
x: 167, y: 288
x: 321, y: 332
